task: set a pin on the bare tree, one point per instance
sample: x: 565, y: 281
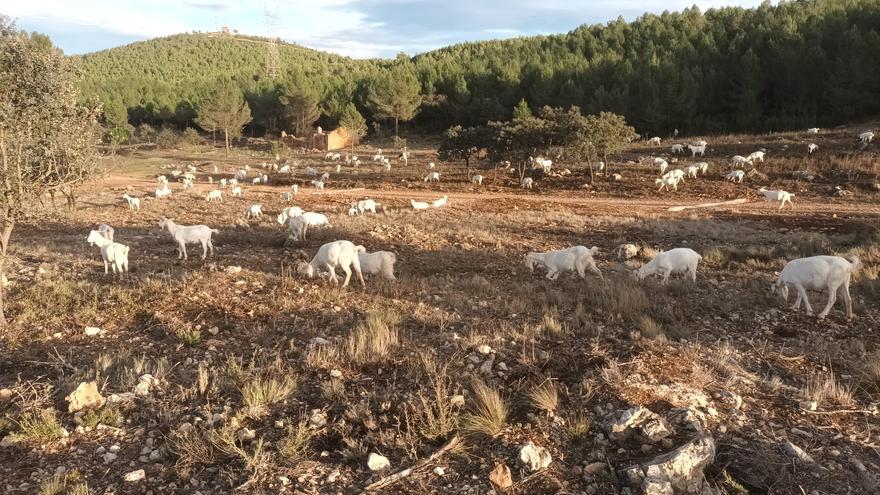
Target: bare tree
x: 48, y: 142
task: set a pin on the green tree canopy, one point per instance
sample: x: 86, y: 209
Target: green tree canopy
x: 225, y: 111
x: 353, y: 122
x: 395, y: 94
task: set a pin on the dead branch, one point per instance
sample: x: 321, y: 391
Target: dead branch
x: 394, y: 478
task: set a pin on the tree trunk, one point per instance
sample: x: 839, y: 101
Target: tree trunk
x: 467, y: 165
x: 4, y: 244
x: 590, y: 164
x: 396, y: 134
x: 226, y: 136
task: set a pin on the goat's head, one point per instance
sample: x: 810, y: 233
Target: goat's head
x: 530, y: 261
x: 781, y: 289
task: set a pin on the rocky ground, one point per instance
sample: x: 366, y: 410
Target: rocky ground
x: 468, y: 374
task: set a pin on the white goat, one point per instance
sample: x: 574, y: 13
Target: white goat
x: 773, y: 196
x: 662, y: 165
x: 299, y: 225
x: 703, y: 166
x: 527, y: 183
x: 378, y: 263
x: 577, y: 258
x: 438, y: 203
x: 829, y: 273
x: 431, y: 166
x: 287, y: 197
x: 692, y: 171
x: 215, y: 195
x: 106, y: 231
x: 432, y: 177
x: 366, y: 205
x: 337, y: 254
x: 284, y: 170
x: 701, y: 143
x: 134, y: 203
x: 236, y: 192
x: 665, y: 182
x: 289, y: 212
x: 111, y: 252
x: 223, y: 183
x: 233, y: 182
x: 677, y: 148
x: 161, y: 193
x: 866, y: 137
x: 318, y: 184
x: 677, y: 174
x: 697, y: 149
x: 419, y: 205
x: 254, y: 211
x: 311, y: 171
x: 813, y: 130
x: 665, y: 263
x: 738, y: 161
x: 184, y: 235
x: 654, y: 141
x: 735, y: 176
x: 241, y: 174
x: 325, y: 177
x: 477, y: 180
x: 294, y: 189
x: 811, y: 148
x: 756, y: 155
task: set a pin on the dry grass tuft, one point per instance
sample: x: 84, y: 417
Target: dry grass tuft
x: 824, y: 386
x: 259, y: 392
x: 323, y: 356
x: 579, y: 425
x: 69, y: 483
x: 372, y: 340
x: 39, y: 426
x: 545, y: 397
x: 192, y: 448
x: 432, y: 415
x: 295, y: 444
x: 870, y: 375
x: 488, y: 416
x: 649, y: 328
x: 553, y: 327
x: 613, y: 376
x: 109, y: 416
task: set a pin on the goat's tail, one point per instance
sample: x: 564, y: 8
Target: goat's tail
x: 360, y: 249
x: 856, y: 263
x: 215, y: 231
x: 125, y: 251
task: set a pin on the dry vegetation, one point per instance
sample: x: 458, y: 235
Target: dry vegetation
x: 467, y: 343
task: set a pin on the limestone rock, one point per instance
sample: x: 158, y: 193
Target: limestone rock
x: 534, y: 457
x: 676, y: 472
x: 135, y: 476
x: 637, y: 421
x: 92, y: 331
x: 500, y: 477
x: 145, y: 385
x: 86, y: 396
x: 377, y: 462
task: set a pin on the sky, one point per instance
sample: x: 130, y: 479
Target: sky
x: 356, y: 28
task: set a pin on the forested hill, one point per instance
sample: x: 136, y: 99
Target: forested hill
x: 791, y: 65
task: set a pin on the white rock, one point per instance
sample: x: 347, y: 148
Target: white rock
x: 318, y: 419
x: 332, y: 477
x: 457, y: 401
x: 679, y: 471
x: 336, y: 373
x: 797, y: 452
x: 115, y: 448
x: 484, y: 349
x: 534, y: 457
x: 109, y: 457
x: 135, y: 476
x: 377, y: 462
x: 145, y: 385
x: 92, y: 331
x: 319, y: 341
x: 246, y: 434
x: 439, y: 471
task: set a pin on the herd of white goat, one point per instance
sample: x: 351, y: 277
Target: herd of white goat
x: 828, y: 273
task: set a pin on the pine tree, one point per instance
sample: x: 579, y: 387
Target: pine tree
x: 354, y: 123
x: 395, y: 95
x: 225, y: 111
x: 522, y: 110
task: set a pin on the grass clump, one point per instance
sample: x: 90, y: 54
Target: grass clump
x: 39, y: 426
x: 545, y: 397
x: 432, y: 415
x: 579, y: 425
x: 295, y: 443
x: 488, y: 416
x: 824, y: 386
x: 372, y: 340
x: 70, y: 483
x: 109, y: 416
x: 259, y: 392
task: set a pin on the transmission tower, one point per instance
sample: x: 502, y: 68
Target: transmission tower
x: 273, y: 59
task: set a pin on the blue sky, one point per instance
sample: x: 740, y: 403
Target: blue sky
x: 358, y: 28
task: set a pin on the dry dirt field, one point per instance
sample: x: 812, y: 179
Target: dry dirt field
x: 264, y: 381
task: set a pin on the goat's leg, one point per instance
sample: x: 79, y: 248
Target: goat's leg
x: 847, y: 299
x: 802, y: 294
x: 357, y: 269
x: 666, y: 274
x: 211, y: 247
x: 333, y: 276
x: 183, y: 251
x: 105, y: 267
x: 593, y: 269
x: 693, y: 273
x: 347, y: 271
x: 832, y: 298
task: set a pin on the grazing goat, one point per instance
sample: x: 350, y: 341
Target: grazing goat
x: 735, y: 176
x: 337, y: 254
x: 738, y: 161
x: 830, y: 273
x: 813, y: 130
x: 432, y: 177
x: 527, y: 183
x: 134, y: 203
x: 701, y: 143
x: 665, y: 182
x: 677, y: 148
x: 703, y: 166
x: 440, y: 202
x: 577, y: 258
x: 287, y: 213
x: 294, y: 189
x: 365, y: 205
x: 223, y: 183
x: 254, y: 211
x: 184, y: 235
x: 419, y: 205
x: 665, y: 263
x: 161, y: 193
x: 811, y: 148
x: 866, y: 137
x: 692, y: 171
x: 477, y: 180
x: 756, y: 155
x: 284, y: 170
x: 677, y: 174
x: 319, y: 184
x: 697, y: 149
x: 654, y: 141
x: 298, y: 225
x: 773, y: 196
x: 287, y: 197
x: 662, y: 165
x: 378, y: 263
x: 111, y: 252
x: 215, y: 195
x: 236, y: 192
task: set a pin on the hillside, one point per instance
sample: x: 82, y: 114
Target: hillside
x: 732, y: 69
